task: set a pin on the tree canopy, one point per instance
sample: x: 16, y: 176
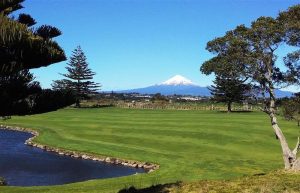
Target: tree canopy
x: 250, y: 53
x: 291, y: 108
x: 23, y: 46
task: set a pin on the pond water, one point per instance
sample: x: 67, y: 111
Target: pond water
x: 23, y: 165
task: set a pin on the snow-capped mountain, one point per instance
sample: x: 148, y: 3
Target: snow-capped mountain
x: 178, y: 80
x: 176, y: 85
x: 182, y: 86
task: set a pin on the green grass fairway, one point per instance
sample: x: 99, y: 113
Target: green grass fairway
x: 188, y: 145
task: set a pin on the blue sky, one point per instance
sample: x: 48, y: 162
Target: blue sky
x: 137, y: 43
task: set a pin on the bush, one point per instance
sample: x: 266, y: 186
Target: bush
x: 2, y: 182
x: 44, y: 101
x: 49, y: 100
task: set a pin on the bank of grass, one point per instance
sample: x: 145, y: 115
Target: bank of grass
x: 274, y: 182
x: 188, y: 145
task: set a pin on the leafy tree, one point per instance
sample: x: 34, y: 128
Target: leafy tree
x: 23, y: 47
x: 61, y: 84
x: 159, y: 98
x: 50, y: 100
x: 79, y: 77
x: 2, y: 182
x: 229, y: 90
x: 291, y: 109
x: 253, y: 52
x: 290, y: 20
x: 16, y: 90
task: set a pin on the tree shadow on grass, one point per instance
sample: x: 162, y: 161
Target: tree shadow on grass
x: 95, y: 106
x: 243, y: 111
x: 153, y: 189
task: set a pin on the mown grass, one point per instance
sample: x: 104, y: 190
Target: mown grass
x: 188, y: 145
x: 274, y: 182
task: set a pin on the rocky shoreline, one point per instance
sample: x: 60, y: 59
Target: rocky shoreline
x: 148, y: 167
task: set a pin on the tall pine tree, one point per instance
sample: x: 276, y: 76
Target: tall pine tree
x: 79, y: 76
x: 229, y: 90
x: 23, y: 46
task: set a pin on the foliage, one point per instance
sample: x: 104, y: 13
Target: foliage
x: 2, y: 181
x: 158, y: 98
x: 61, y: 85
x: 291, y: 109
x: 23, y: 46
x: 290, y: 20
x: 22, y: 95
x: 79, y: 77
x: 49, y: 100
x: 16, y: 91
x: 250, y: 54
x: 229, y: 90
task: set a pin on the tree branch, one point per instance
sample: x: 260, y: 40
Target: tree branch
x: 295, y: 151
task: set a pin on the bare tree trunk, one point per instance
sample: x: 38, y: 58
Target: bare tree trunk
x: 286, y: 152
x: 78, y: 94
x: 289, y: 157
x: 229, y: 107
x: 77, y: 103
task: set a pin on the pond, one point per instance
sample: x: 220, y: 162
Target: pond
x: 23, y: 165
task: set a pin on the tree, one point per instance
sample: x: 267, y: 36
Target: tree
x: 16, y: 90
x: 159, y: 98
x: 61, y: 84
x: 291, y: 109
x: 229, y: 90
x: 50, y: 100
x: 79, y: 77
x: 2, y: 182
x: 23, y: 47
x: 253, y: 51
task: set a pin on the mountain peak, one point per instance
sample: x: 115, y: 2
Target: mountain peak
x: 178, y: 80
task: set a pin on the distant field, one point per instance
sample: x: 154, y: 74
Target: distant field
x: 188, y: 145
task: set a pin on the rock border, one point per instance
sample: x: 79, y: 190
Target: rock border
x: 148, y: 167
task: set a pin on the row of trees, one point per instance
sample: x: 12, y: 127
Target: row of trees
x: 248, y: 54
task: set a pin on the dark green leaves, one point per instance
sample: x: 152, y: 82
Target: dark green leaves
x: 79, y: 77
x: 9, y: 6
x: 26, y: 19
x: 290, y: 20
x: 250, y: 52
x: 22, y: 48
x: 47, y: 32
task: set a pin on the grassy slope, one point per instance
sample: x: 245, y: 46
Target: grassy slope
x: 274, y: 182
x: 188, y: 145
